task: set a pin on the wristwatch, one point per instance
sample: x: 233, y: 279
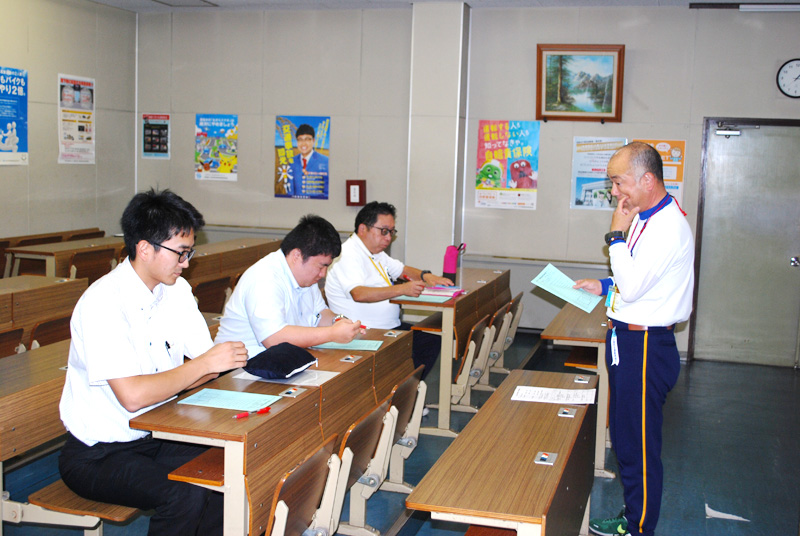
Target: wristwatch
x: 614, y: 235
x: 422, y: 274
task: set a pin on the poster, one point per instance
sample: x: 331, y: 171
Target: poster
x: 76, y: 133
x: 507, y: 172
x: 155, y: 136
x: 215, y: 147
x: 302, y: 152
x: 673, y: 154
x: 13, y: 117
x: 591, y: 188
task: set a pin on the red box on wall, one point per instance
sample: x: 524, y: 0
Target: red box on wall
x: 356, y: 195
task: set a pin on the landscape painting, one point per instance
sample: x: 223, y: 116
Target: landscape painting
x: 580, y: 82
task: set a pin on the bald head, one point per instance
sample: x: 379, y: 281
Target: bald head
x: 642, y: 159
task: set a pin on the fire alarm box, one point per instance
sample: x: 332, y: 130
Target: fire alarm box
x: 356, y: 193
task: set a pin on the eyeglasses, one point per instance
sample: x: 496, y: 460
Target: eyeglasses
x: 183, y: 256
x: 386, y: 231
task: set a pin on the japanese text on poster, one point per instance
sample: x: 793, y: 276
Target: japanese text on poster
x: 673, y: 153
x: 76, y: 97
x: 591, y: 188
x: 302, y: 151
x: 155, y: 136
x: 13, y: 117
x: 507, y: 164
x: 215, y: 147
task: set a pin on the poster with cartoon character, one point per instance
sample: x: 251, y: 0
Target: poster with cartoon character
x: 673, y: 154
x: 216, y: 142
x: 591, y: 188
x: 302, y: 153
x: 13, y: 117
x: 507, y: 172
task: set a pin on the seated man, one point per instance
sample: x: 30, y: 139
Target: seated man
x: 359, y: 284
x: 130, y: 332
x: 278, y: 300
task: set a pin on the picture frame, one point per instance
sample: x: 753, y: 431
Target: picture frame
x: 579, y: 82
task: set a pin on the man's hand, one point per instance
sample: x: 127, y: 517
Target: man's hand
x: 413, y: 288
x: 345, y: 330
x: 225, y: 356
x: 591, y: 285
x: 433, y: 280
x: 623, y: 215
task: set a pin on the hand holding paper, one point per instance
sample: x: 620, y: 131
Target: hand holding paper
x: 559, y: 284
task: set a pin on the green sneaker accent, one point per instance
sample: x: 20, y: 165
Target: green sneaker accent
x: 612, y: 526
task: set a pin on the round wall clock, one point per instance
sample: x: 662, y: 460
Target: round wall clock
x: 789, y: 78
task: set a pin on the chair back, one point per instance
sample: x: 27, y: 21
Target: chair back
x: 10, y: 340
x: 362, y: 438
x: 516, y: 313
x: 404, y: 397
x: 473, y: 346
x: 38, y: 240
x: 300, y: 492
x: 212, y: 294
x: 50, y: 331
x: 88, y: 234
x: 92, y: 263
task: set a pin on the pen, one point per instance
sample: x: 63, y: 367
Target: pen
x: 246, y: 414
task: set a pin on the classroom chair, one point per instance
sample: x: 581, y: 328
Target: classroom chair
x: 211, y: 294
x: 408, y: 397
x: 10, y: 342
x: 516, y: 309
x: 498, y: 329
x: 86, y: 235
x: 92, y: 264
x: 477, y: 344
x: 50, y: 331
x: 365, y: 461
x: 34, y: 266
x: 304, y: 498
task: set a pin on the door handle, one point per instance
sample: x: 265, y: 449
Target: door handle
x: 794, y: 261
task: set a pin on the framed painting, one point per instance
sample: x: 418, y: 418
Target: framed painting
x: 579, y: 82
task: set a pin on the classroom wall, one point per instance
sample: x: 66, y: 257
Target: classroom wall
x: 48, y: 37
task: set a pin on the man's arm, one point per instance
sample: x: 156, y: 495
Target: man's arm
x: 137, y: 392
x: 343, y: 331
x: 430, y: 279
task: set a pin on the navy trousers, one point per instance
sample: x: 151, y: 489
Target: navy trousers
x: 648, y: 368
x: 135, y: 474
x: 425, y: 349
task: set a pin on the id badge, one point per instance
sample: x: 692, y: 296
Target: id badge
x: 611, y: 297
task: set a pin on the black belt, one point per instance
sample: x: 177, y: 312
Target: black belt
x: 636, y: 327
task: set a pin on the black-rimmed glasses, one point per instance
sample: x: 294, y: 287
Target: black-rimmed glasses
x: 385, y: 231
x: 183, y: 256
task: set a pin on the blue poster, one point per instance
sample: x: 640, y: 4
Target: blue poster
x: 302, y: 151
x: 216, y: 147
x: 13, y: 116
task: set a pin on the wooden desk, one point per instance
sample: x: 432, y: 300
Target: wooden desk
x: 482, y: 285
x: 229, y: 257
x: 57, y: 236
x: 487, y: 476
x: 56, y: 256
x: 269, y: 445
x: 574, y: 327
x: 28, y: 299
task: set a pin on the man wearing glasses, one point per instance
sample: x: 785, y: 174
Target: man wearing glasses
x: 130, y: 332
x: 360, y: 282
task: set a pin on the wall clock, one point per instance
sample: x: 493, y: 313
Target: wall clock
x: 789, y: 78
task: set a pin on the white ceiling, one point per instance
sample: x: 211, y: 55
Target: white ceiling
x: 155, y: 6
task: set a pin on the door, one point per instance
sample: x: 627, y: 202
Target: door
x: 747, y: 296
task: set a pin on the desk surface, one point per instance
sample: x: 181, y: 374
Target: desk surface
x: 573, y: 324
x: 232, y: 245
x: 472, y: 280
x: 489, y: 471
x: 74, y: 245
x: 14, y: 240
x: 10, y: 285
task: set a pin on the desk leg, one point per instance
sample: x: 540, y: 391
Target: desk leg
x: 50, y: 266
x: 15, y: 272
x: 445, y: 378
x: 7, y: 273
x: 602, y: 415
x: 235, y: 500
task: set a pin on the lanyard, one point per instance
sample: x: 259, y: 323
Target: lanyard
x: 664, y: 202
x: 384, y: 275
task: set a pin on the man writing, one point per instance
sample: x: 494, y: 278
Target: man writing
x: 278, y: 300
x: 651, y: 291
x: 130, y: 332
x: 359, y: 284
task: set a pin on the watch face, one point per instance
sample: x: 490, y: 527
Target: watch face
x: 789, y: 78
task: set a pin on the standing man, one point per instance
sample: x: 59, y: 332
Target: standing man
x: 359, y: 284
x: 278, y: 300
x: 651, y: 291
x: 130, y: 332
x: 310, y: 168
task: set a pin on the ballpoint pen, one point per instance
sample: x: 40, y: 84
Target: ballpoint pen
x: 246, y: 414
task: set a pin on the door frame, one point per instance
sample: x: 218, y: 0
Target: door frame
x: 701, y: 199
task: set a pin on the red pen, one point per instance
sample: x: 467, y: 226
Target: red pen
x: 245, y: 414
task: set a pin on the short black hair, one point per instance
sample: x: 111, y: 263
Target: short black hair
x: 313, y: 236
x: 369, y: 214
x: 156, y: 217
x: 644, y: 158
x: 305, y: 129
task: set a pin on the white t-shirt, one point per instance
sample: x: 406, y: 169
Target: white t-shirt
x: 357, y: 267
x: 121, y: 329
x: 267, y: 299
